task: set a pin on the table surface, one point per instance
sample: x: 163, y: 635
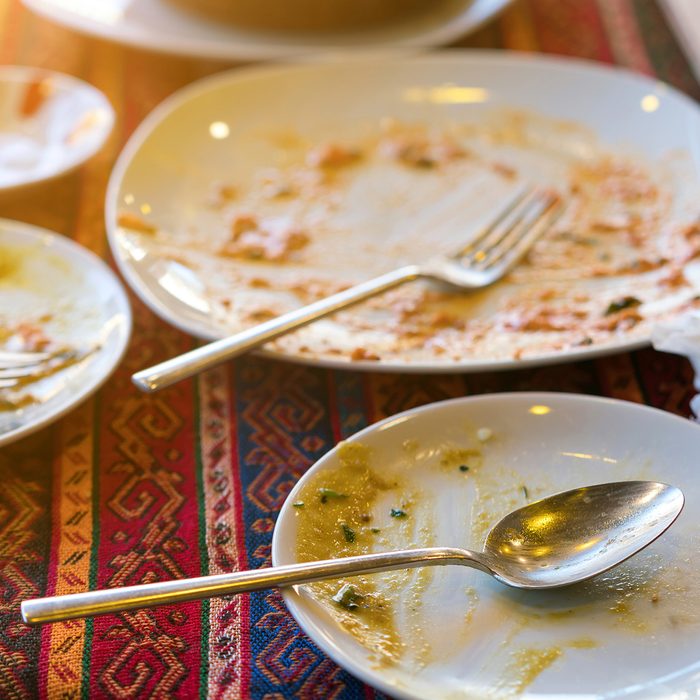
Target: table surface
x: 130, y: 488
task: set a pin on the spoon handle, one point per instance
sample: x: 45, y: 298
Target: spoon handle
x: 173, y: 370
x: 66, y: 607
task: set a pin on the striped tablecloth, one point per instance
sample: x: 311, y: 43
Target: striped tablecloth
x: 130, y: 488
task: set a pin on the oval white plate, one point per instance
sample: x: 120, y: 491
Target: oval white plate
x: 88, y: 308
x: 223, y: 129
x: 155, y: 25
x: 485, y: 640
x: 50, y: 123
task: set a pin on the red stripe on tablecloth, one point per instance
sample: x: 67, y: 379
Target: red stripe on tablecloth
x: 227, y: 627
x: 369, y: 693
x: 666, y: 380
x: 571, y: 28
x: 51, y: 576
x: 148, y: 514
x: 670, y: 64
x: 623, y: 33
x: 245, y: 653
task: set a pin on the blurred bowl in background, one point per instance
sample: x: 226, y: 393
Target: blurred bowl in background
x: 317, y: 15
x: 268, y: 29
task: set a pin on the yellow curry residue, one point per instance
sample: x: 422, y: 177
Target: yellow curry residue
x: 335, y: 514
x: 10, y: 263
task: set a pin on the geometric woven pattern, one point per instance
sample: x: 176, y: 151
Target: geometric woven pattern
x: 131, y: 488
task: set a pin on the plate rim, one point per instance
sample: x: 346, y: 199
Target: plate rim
x: 101, y: 101
x: 59, y: 243
x: 475, y: 14
x: 304, y: 620
x: 201, y: 87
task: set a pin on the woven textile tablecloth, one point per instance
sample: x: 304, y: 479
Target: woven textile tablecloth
x: 130, y: 488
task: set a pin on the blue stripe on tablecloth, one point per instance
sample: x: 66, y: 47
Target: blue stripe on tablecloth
x: 284, y: 426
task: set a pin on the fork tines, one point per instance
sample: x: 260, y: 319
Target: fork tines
x: 512, y: 233
x: 19, y: 367
x: 20, y: 359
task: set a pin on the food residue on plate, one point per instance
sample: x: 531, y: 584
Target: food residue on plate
x: 329, y: 213
x: 360, y: 505
x: 30, y: 337
x: 35, y: 96
x: 37, y: 315
x: 336, y: 517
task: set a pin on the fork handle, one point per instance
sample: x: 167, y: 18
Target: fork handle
x: 202, y: 358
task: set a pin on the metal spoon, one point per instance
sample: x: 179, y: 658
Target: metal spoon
x: 557, y: 541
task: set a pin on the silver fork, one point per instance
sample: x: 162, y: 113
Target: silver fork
x: 492, y: 253
x: 16, y: 366
x: 21, y: 367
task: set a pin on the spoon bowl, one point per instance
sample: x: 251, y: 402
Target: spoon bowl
x: 575, y: 535
x: 557, y: 541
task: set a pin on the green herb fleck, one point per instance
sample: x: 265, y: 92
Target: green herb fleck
x: 348, y: 532
x: 620, y: 304
x: 463, y: 468
x: 398, y: 513
x: 298, y: 504
x: 375, y: 530
x: 425, y: 162
x: 526, y: 493
x: 327, y: 494
x: 348, y: 597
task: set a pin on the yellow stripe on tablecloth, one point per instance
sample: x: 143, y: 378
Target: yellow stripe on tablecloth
x: 4, y: 21
x: 72, y: 532
x: 518, y: 28
x: 106, y: 72
x: 11, y: 17
x: 220, y: 485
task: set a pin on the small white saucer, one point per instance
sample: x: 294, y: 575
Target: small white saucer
x: 50, y: 123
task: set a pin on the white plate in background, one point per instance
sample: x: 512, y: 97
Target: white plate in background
x: 156, y: 25
x: 50, y: 123
x: 633, y: 632
x: 77, y: 301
